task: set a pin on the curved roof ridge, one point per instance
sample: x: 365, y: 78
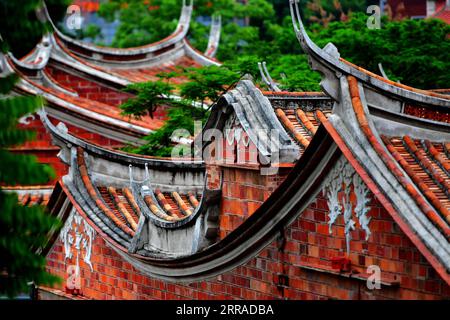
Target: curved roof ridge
x: 38, y: 58
x: 365, y: 127
x: 329, y: 59
x: 214, y: 37
x: 199, y: 56
x: 59, y: 132
x: 178, y: 35
x: 267, y: 78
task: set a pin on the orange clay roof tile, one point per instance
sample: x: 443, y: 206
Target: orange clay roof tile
x: 362, y: 120
x: 437, y: 155
x: 180, y: 202
x: 435, y: 172
x: 155, y: 210
x: 93, y: 194
x: 399, y: 85
x: 421, y: 185
x: 134, y: 208
x: 305, y: 120
x: 123, y: 210
x: 193, y: 199
x: 292, y: 129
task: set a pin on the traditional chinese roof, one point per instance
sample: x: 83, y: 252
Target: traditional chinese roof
x: 65, y: 77
x: 142, y: 63
x: 395, y: 137
x: 85, y: 93
x: 124, y: 190
x: 364, y: 130
x: 120, y: 201
x: 65, y: 104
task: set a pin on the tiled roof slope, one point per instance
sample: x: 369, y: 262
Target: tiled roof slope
x: 116, y: 201
x: 130, y: 74
x: 141, y: 63
x: 395, y: 137
x: 442, y: 13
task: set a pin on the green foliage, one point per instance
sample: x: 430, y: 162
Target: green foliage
x: 206, y: 83
x: 149, y: 95
x: 21, y: 40
x: 245, y: 65
x: 417, y: 52
x: 141, y: 22
x: 23, y: 230
x: 180, y: 117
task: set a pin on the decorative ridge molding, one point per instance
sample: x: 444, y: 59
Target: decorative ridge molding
x: 198, y: 56
x: 332, y: 66
x: 214, y: 37
x: 267, y: 79
x: 178, y: 35
x: 38, y: 58
x: 64, y: 139
x: 258, y: 119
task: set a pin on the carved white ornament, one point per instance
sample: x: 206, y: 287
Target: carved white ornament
x: 26, y: 119
x: 77, y: 234
x: 234, y: 132
x: 342, y: 178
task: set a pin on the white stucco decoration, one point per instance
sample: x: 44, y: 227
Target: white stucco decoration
x: 343, y: 179
x: 77, y: 236
x: 26, y: 119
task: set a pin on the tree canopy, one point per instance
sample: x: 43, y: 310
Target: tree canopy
x: 23, y: 230
x: 415, y: 52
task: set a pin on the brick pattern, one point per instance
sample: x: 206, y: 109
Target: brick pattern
x: 41, y: 147
x: 87, y: 88
x: 46, y: 152
x: 278, y: 272
x: 243, y: 191
x: 427, y: 113
x: 96, y: 91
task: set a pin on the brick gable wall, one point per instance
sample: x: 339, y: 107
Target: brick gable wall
x: 295, y: 266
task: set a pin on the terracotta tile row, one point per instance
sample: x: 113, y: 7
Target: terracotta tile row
x: 422, y: 171
x: 170, y: 206
x: 392, y: 165
x: 115, y: 217
x: 32, y: 199
x: 300, y: 124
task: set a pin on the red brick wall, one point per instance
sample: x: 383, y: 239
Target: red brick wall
x: 243, y: 191
x: 97, y: 91
x: 306, y: 243
x: 46, y: 152
x: 90, y: 136
x: 41, y: 147
x: 89, y: 89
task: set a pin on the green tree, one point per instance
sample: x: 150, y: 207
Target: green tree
x: 413, y: 51
x: 148, y: 96
x: 204, y: 85
x: 23, y: 230
x: 417, y: 52
x: 19, y: 26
